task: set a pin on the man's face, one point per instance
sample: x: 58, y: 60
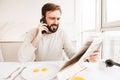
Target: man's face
x: 52, y: 20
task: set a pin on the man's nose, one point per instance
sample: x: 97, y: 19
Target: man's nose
x: 55, y: 21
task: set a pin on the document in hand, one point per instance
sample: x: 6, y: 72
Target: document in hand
x: 92, y: 48
x: 75, y: 63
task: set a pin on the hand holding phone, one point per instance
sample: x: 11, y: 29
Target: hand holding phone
x: 43, y: 21
x: 41, y: 29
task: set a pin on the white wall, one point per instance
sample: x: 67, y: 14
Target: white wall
x: 10, y: 51
x: 19, y: 10
x: 18, y: 16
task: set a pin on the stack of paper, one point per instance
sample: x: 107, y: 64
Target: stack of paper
x: 76, y: 63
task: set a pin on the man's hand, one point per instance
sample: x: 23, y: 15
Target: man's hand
x: 41, y: 27
x: 38, y: 35
x: 93, y: 57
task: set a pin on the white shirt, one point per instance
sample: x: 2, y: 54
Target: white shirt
x: 50, y: 47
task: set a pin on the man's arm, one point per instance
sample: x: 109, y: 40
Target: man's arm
x: 27, y: 50
x: 38, y: 35
x: 68, y: 46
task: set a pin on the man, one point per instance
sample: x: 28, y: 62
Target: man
x: 48, y: 41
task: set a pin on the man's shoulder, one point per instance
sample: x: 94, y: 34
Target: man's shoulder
x: 32, y: 31
x: 61, y: 31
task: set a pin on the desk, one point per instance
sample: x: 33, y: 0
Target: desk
x: 90, y: 71
x: 6, y: 67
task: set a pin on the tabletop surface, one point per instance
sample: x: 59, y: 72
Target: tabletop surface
x: 16, y: 68
x: 91, y: 69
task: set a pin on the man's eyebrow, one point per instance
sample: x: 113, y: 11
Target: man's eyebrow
x: 54, y: 17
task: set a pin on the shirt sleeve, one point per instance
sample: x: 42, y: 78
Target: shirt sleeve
x: 68, y: 46
x: 27, y: 50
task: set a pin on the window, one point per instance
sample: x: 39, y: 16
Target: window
x: 110, y: 28
x: 110, y: 14
x: 89, y: 19
x: 88, y: 15
x: 111, y: 45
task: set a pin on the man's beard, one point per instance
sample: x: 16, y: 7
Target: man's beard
x: 52, y: 29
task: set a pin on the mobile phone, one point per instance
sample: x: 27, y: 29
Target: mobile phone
x: 44, y: 21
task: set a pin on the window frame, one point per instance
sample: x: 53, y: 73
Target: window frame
x: 107, y: 26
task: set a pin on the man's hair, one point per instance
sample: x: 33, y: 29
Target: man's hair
x: 50, y: 7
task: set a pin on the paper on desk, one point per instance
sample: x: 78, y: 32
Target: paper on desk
x: 78, y: 55
x: 88, y: 48
x: 7, y: 70
x: 74, y: 64
x: 17, y: 73
x: 89, y: 71
x: 93, y: 47
x: 70, y: 71
x: 71, y: 66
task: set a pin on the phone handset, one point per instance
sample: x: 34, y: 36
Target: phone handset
x: 43, y: 21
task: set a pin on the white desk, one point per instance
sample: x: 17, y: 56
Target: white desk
x: 9, y: 66
x: 90, y: 71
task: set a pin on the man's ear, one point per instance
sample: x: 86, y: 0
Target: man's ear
x: 41, y: 18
